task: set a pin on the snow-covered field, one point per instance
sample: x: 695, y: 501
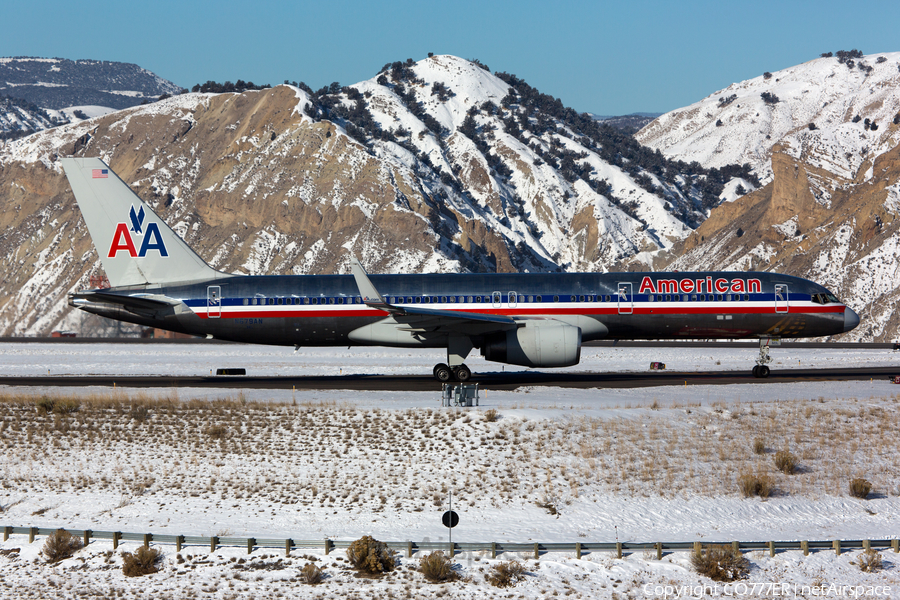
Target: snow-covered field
x: 655, y: 464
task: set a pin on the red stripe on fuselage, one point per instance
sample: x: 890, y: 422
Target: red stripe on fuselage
x: 523, y: 312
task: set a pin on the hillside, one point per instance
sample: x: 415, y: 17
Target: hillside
x: 432, y: 166
x: 59, y: 83
x: 827, y: 152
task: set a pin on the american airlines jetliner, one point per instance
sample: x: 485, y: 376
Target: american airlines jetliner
x: 534, y: 320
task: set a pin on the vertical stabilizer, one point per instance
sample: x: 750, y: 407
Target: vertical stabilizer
x: 136, y: 247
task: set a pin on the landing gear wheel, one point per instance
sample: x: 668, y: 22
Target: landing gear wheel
x: 462, y: 373
x: 763, y: 371
x: 756, y: 371
x: 442, y: 372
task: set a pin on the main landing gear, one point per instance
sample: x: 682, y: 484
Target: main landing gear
x: 444, y: 373
x: 761, y: 370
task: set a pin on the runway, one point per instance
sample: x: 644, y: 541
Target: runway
x: 487, y: 381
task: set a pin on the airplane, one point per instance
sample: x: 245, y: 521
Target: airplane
x: 535, y: 320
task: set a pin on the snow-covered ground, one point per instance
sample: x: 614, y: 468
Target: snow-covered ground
x: 655, y: 464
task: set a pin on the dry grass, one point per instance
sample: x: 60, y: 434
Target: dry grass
x: 368, y: 555
x: 720, y: 563
x: 60, y: 545
x: 330, y: 449
x: 786, y: 462
x: 142, y: 561
x: 491, y: 415
x: 755, y: 484
x: 506, y: 574
x: 310, y: 574
x: 437, y: 568
x: 870, y: 561
x: 759, y: 446
x: 860, y: 488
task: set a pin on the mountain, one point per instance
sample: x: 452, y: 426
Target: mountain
x: 628, y: 123
x: 436, y: 165
x: 822, y: 138
x: 59, y: 83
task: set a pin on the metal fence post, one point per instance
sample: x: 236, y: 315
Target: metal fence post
x: 735, y: 547
x: 87, y: 536
x: 494, y: 549
x: 179, y: 540
x: 147, y: 538
x: 578, y: 550
x: 895, y: 544
x: 408, y: 549
x: 537, y: 551
x: 771, y: 548
x: 117, y: 535
x: 804, y: 546
x: 287, y: 546
x: 618, y: 549
x: 250, y: 543
x: 328, y: 546
x: 213, y: 542
x: 866, y: 545
x: 836, y: 544
x: 31, y: 533
x: 6, y: 532
x: 658, y: 550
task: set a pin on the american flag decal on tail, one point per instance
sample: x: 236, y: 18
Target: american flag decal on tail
x: 100, y: 173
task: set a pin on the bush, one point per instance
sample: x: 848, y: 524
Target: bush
x: 755, y: 485
x: 786, y: 462
x: 142, y: 562
x: 506, y: 574
x: 60, y: 545
x: 217, y: 432
x: 759, y: 446
x: 371, y: 556
x: 860, y: 488
x: 870, y: 561
x: 491, y: 415
x: 310, y: 574
x: 720, y: 563
x: 437, y: 568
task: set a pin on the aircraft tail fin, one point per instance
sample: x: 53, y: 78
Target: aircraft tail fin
x: 136, y: 247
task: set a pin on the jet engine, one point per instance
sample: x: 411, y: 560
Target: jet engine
x: 537, y: 344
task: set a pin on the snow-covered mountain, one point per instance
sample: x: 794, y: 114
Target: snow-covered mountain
x: 824, y: 138
x: 438, y: 165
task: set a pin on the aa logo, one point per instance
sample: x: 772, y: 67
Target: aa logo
x: 151, y: 239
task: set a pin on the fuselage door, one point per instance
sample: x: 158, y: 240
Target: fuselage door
x: 513, y: 299
x: 781, y: 298
x: 213, y: 302
x: 626, y: 301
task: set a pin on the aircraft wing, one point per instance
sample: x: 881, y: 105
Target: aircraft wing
x: 424, y: 321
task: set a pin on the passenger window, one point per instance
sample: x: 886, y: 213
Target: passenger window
x: 477, y: 299
x: 556, y: 298
x: 306, y: 301
x: 246, y: 301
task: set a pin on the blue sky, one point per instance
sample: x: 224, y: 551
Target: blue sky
x: 607, y: 58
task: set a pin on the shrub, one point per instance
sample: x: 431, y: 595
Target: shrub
x: 60, y: 545
x: 310, y: 574
x: 437, y: 568
x: 860, y: 488
x: 370, y: 556
x: 785, y: 461
x: 44, y: 405
x: 755, y: 485
x: 217, y: 432
x: 720, y: 563
x: 870, y: 561
x: 506, y: 574
x: 142, y: 562
x: 491, y: 415
x: 759, y: 446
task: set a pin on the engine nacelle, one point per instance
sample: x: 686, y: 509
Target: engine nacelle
x: 538, y: 344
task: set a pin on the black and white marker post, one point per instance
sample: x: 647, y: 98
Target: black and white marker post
x: 450, y: 520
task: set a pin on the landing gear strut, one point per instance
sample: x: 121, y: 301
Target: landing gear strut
x: 761, y: 370
x: 458, y: 348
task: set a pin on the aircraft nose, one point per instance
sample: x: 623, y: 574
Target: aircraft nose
x: 851, y: 319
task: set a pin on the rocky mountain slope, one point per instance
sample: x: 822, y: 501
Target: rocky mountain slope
x: 823, y: 137
x: 432, y: 166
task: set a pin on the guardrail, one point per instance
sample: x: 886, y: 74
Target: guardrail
x: 535, y: 549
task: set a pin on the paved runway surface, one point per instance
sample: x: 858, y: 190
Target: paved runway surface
x: 492, y: 381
